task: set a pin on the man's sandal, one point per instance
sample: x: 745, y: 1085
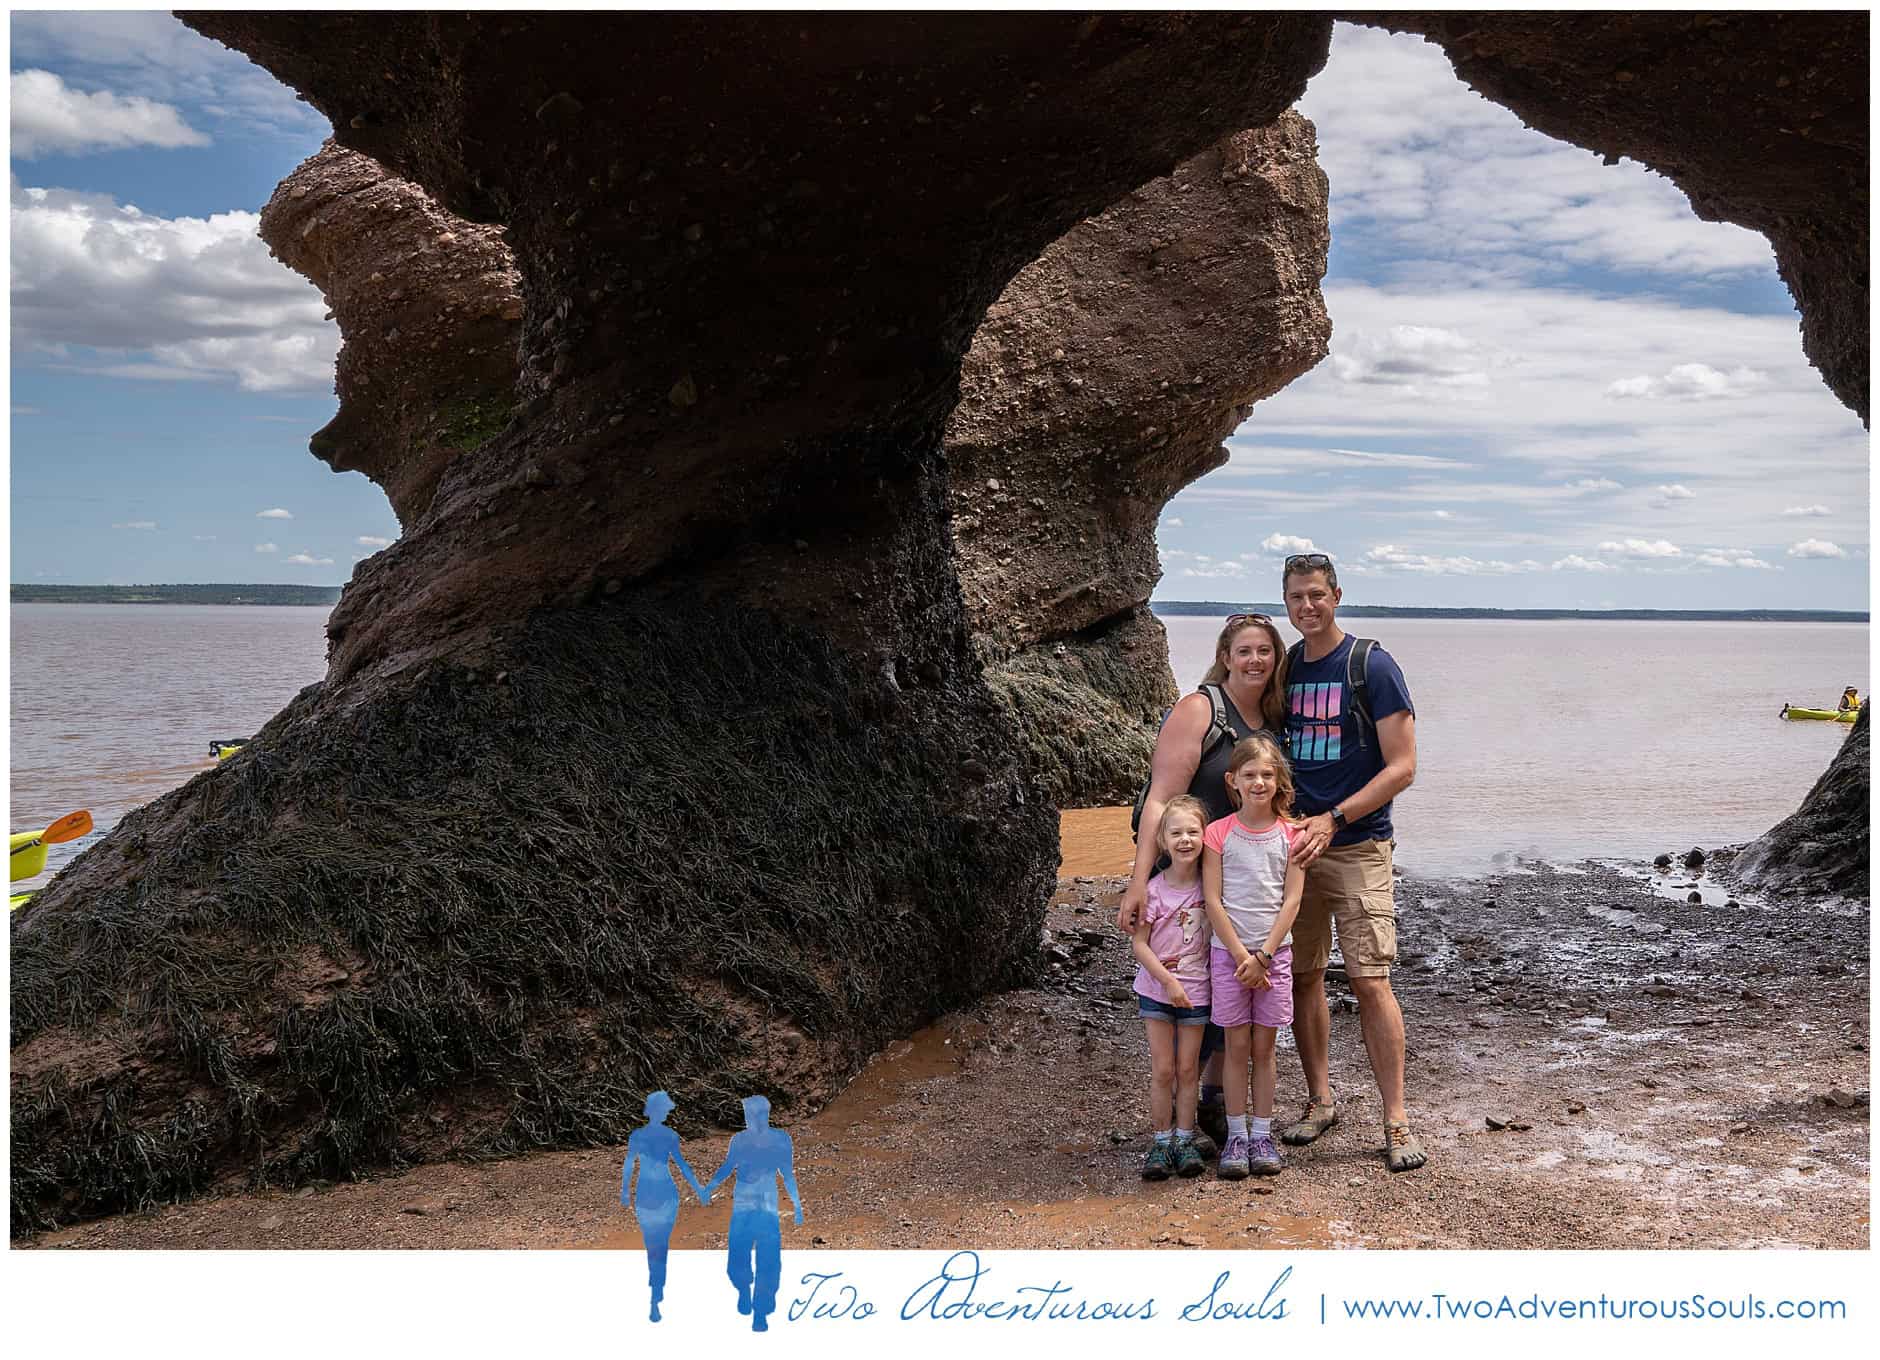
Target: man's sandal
x: 1402, y: 1151
x: 1319, y: 1116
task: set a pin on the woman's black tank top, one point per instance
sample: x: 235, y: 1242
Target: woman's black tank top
x: 1210, y: 781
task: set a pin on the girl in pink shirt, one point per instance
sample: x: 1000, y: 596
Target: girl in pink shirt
x: 1171, y: 944
x: 1252, y: 889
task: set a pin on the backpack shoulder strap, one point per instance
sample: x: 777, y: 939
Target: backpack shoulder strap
x: 1358, y: 685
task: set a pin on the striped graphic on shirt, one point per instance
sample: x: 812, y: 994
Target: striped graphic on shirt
x: 1317, y: 725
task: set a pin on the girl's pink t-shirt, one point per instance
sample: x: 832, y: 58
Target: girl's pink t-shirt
x: 1178, y: 929
x: 1253, y: 876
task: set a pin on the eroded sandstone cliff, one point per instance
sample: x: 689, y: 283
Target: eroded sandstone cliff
x: 656, y: 752
x: 428, y: 306
x: 1103, y: 381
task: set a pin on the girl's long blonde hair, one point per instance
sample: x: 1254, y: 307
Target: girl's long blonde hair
x: 1263, y: 747
x: 1273, y: 697
x: 1181, y: 803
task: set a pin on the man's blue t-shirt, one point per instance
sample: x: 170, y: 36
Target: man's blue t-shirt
x: 1322, y: 735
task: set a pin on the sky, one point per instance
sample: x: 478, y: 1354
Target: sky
x: 1549, y: 385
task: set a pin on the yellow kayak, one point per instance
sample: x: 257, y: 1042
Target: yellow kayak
x: 222, y: 750
x: 1846, y: 715
x: 26, y: 850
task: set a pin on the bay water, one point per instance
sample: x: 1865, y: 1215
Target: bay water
x: 1558, y: 739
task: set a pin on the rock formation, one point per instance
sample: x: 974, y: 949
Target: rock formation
x: 1760, y: 117
x: 429, y: 307
x: 1821, y: 851
x: 1103, y: 381
x: 656, y: 752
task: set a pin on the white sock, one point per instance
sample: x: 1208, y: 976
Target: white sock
x: 1236, y: 1124
x: 1163, y: 1135
x: 1260, y: 1128
x: 1185, y: 1135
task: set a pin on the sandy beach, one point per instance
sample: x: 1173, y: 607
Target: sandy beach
x: 1666, y: 1075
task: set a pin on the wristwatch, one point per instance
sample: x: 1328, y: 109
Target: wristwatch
x: 1266, y: 959
x: 1338, y: 819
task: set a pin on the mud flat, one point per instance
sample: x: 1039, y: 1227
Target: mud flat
x: 1667, y: 1075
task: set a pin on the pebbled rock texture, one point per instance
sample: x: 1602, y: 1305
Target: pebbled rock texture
x: 656, y: 751
x: 1103, y: 381
x: 1762, y: 119
x: 1822, y: 850
x: 429, y: 307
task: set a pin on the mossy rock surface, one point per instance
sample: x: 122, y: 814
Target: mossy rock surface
x: 484, y: 915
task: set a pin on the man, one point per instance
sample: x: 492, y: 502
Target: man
x: 1346, y: 780
x: 757, y: 1157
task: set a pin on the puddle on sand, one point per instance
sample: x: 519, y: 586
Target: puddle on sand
x: 840, y: 1147
x: 1094, y: 842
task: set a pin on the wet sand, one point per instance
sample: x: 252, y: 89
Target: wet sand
x: 1690, y: 1076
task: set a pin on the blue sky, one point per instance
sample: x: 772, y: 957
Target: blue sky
x: 1550, y: 384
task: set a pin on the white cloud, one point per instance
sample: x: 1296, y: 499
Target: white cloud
x: 1676, y: 492
x: 1691, y: 382
x: 1642, y: 550
x: 1415, y: 359
x: 266, y: 548
x: 1166, y: 524
x: 203, y: 538
x: 368, y: 541
x: 1595, y: 484
x: 1390, y: 555
x: 1807, y: 511
x: 25, y: 410
x: 1574, y: 562
x: 1815, y: 547
x: 185, y: 298
x: 1456, y: 183
x: 1216, y: 569
x: 275, y: 513
x: 136, y: 524
x: 1287, y: 544
x: 1733, y: 557
x: 51, y: 118
x: 302, y: 559
x: 149, y: 53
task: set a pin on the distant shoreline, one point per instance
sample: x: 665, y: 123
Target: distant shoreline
x: 1219, y: 608
x: 178, y: 594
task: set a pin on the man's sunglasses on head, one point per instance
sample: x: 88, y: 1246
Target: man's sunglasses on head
x: 1308, y: 560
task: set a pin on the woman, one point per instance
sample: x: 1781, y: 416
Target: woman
x: 1249, y: 659
x: 653, y: 1146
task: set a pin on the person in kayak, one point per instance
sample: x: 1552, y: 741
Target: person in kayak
x: 1850, y: 699
x: 1249, y: 671
x: 656, y: 1209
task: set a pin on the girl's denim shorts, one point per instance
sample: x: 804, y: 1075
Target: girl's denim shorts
x: 1150, y: 1009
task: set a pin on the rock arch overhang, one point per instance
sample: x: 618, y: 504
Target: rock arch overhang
x: 441, y: 905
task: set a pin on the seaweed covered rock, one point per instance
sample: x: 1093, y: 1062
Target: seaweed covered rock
x: 1762, y: 118
x: 429, y: 307
x: 1822, y: 850
x: 492, y: 911
x: 1103, y: 381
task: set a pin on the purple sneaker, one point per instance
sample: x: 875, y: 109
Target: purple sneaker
x: 1233, y: 1163
x: 1263, y: 1157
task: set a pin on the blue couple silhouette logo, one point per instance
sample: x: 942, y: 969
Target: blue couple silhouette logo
x: 758, y: 1156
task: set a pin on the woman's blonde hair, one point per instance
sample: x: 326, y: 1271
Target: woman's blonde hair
x: 1186, y: 803
x: 1260, y: 746
x: 1273, y: 697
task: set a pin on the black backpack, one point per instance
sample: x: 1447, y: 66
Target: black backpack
x: 1219, y: 730
x: 1357, y: 663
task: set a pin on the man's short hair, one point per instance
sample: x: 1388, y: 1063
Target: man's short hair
x: 1304, y: 564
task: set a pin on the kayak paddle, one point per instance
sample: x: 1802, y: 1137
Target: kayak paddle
x: 68, y: 828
